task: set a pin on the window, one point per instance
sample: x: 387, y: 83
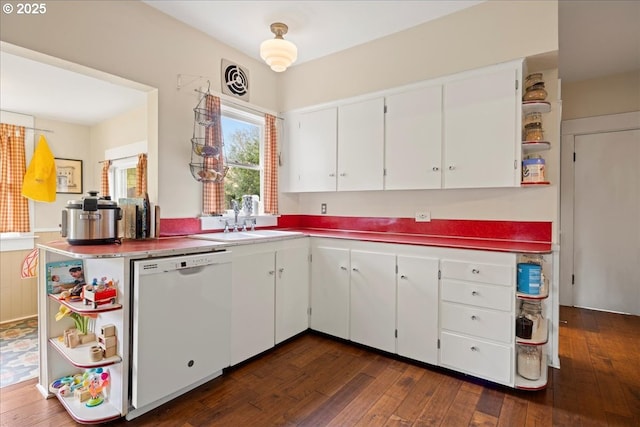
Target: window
x: 243, y: 135
x: 123, y: 178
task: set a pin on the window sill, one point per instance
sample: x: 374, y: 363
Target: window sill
x: 14, y: 242
x: 218, y: 222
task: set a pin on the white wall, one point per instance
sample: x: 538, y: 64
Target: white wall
x: 135, y: 41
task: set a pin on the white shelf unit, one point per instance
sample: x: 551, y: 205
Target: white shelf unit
x: 529, y: 147
x: 57, y: 360
x: 540, y: 337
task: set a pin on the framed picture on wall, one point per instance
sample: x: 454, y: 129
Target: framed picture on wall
x: 68, y: 176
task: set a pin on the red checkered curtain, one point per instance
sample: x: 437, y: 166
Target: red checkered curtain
x: 14, y: 208
x: 213, y: 192
x: 141, y: 175
x: 270, y: 166
x: 104, y: 178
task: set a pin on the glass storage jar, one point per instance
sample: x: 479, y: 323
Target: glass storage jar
x: 529, y: 362
x: 532, y: 310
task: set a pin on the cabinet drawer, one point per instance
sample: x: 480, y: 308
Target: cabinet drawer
x: 488, y: 296
x: 476, y: 357
x: 483, y: 323
x: 497, y: 274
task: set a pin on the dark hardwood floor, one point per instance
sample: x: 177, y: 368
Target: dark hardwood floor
x: 316, y: 381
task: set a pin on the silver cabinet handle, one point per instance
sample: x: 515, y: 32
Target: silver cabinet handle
x: 403, y: 276
x: 475, y: 271
x: 474, y: 348
x: 436, y: 168
x: 272, y: 272
x: 332, y: 175
x: 280, y: 271
x: 342, y: 267
x: 474, y: 317
x: 355, y: 269
x: 343, y: 174
x: 451, y: 167
x: 474, y: 293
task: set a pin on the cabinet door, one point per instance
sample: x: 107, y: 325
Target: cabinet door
x: 482, y: 136
x: 292, y: 291
x: 330, y: 291
x: 253, y: 301
x: 316, y: 151
x: 418, y: 308
x: 361, y: 146
x: 373, y: 295
x: 413, y: 139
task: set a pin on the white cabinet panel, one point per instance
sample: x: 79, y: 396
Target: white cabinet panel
x: 417, y: 316
x: 489, y: 324
x: 330, y: 290
x: 252, y: 302
x: 373, y: 293
x: 316, y: 151
x: 361, y: 145
x: 476, y: 357
x: 481, y: 129
x: 497, y: 274
x: 292, y: 289
x: 413, y: 139
x: 470, y: 293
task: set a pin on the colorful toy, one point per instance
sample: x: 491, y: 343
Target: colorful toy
x: 97, y: 293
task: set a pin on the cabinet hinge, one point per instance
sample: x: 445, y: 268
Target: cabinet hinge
x: 310, y: 257
x: 385, y: 109
x: 384, y: 172
x: 516, y: 84
x: 439, y: 274
x: 573, y: 279
x: 396, y: 333
x: 396, y: 268
x: 438, y: 342
x: 309, y: 311
x: 515, y: 164
x: 574, y: 156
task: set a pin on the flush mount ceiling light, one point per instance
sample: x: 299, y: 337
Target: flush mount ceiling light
x: 278, y: 53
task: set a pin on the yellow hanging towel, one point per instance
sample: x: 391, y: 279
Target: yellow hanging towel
x: 39, y: 182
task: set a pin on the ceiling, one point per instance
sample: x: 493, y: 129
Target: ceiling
x: 596, y: 37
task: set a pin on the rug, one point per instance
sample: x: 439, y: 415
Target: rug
x: 18, y: 351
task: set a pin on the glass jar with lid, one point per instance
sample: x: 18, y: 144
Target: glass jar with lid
x: 532, y: 310
x: 529, y: 362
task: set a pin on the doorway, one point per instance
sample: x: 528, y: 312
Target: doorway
x: 601, y: 228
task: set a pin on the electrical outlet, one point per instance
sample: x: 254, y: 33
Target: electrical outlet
x: 323, y: 208
x: 423, y: 216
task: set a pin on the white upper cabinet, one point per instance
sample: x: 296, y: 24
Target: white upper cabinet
x: 312, y: 150
x: 413, y: 139
x: 361, y: 145
x: 481, y: 128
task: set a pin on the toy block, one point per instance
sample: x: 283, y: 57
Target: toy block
x: 108, y: 330
x: 107, y: 341
x: 82, y: 394
x: 109, y: 351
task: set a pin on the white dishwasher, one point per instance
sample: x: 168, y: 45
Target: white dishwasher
x: 181, y: 325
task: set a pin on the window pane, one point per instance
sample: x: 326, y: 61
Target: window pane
x: 240, y: 181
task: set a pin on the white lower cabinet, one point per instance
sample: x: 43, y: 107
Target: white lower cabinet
x: 477, y: 292
x: 373, y: 291
x: 417, y: 303
x: 269, y: 300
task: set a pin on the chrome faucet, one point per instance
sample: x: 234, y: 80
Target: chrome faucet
x: 236, y: 210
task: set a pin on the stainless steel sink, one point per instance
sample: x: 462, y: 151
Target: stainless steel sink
x: 237, y: 236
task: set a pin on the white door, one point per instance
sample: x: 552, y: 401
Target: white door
x: 330, y: 291
x: 418, y: 308
x: 252, y: 304
x: 373, y: 297
x: 607, y: 221
x: 361, y: 146
x: 413, y: 139
x: 482, y: 138
x: 292, y: 289
x: 317, y: 146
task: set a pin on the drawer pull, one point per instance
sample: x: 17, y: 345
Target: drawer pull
x: 474, y: 348
x: 474, y: 293
x: 403, y: 277
x: 355, y: 269
x: 474, y: 317
x: 475, y: 271
x: 272, y: 272
x: 342, y: 267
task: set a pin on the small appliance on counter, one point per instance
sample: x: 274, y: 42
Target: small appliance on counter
x: 90, y: 221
